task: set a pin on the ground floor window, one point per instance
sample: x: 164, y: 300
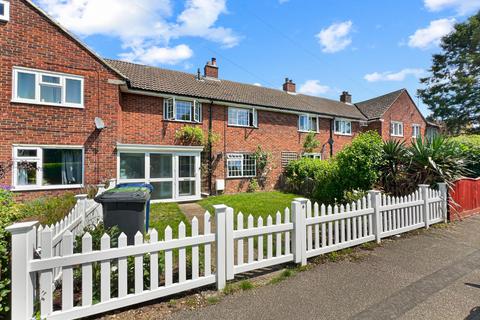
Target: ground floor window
x: 416, y: 131
x: 396, y: 129
x: 173, y: 175
x: 241, y: 165
x: 47, y: 167
x: 313, y: 155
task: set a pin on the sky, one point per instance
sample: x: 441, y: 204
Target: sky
x: 368, y: 47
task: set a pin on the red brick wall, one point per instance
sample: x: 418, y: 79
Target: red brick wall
x: 277, y: 132
x: 30, y: 40
x: 404, y: 110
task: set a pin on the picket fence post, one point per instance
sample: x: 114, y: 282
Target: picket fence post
x: 299, y: 209
x: 375, y: 198
x: 82, y: 206
x: 24, y: 239
x: 220, y: 239
x: 442, y: 187
x: 426, y: 209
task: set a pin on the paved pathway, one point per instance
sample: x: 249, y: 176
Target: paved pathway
x: 193, y: 209
x: 435, y: 275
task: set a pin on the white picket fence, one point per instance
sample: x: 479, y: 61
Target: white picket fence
x: 305, y: 230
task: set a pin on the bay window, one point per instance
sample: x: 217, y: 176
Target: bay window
x: 182, y: 110
x: 396, y: 129
x: 343, y: 127
x: 48, y: 88
x: 242, y: 117
x: 47, y: 167
x: 241, y: 165
x: 307, y: 123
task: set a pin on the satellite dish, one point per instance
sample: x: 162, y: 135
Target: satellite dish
x: 99, y: 124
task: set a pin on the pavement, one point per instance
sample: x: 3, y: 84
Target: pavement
x: 433, y: 275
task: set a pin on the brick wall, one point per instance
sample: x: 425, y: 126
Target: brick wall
x: 30, y: 40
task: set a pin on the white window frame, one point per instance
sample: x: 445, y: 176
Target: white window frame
x: 234, y: 122
x: 6, y: 10
x: 39, y: 160
x: 312, y: 155
x: 38, y: 83
x: 240, y: 157
x: 394, y: 125
x: 416, y: 130
x: 170, y: 115
x: 309, y: 122
x: 341, y: 129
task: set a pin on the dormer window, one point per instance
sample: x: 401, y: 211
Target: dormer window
x: 307, y: 123
x: 182, y: 110
x: 4, y: 10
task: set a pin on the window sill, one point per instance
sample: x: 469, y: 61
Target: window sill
x: 182, y: 121
x: 240, y: 178
x: 342, y: 134
x: 239, y: 126
x: 40, y: 188
x: 308, y: 131
x: 38, y: 103
x: 396, y: 136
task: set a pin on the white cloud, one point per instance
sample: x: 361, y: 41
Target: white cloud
x: 257, y: 84
x: 394, y: 76
x: 336, y: 37
x: 313, y: 88
x: 159, y: 55
x: 462, y: 7
x: 431, y: 35
x: 145, y: 25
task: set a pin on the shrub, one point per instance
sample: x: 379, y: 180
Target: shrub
x: 310, y: 143
x: 392, y: 169
x: 358, y: 163
x: 470, y: 148
x: 253, y: 186
x: 48, y: 210
x: 264, y: 164
x: 190, y: 135
x: 314, y: 178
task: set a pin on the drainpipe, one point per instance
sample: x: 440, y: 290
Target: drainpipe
x: 330, y: 141
x: 210, y: 154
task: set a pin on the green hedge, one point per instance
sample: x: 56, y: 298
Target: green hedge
x: 470, y: 146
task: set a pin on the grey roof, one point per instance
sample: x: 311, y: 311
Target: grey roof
x: 376, y: 107
x: 165, y: 81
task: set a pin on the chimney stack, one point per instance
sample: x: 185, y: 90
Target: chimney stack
x: 211, y: 69
x: 346, y: 97
x: 289, y: 86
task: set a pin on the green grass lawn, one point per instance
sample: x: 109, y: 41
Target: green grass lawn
x: 258, y: 204
x: 167, y: 214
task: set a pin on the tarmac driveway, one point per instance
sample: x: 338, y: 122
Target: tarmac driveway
x: 434, y: 275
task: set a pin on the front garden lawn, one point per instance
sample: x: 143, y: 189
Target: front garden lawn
x: 167, y: 214
x: 258, y: 204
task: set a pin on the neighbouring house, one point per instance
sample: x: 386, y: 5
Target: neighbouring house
x: 71, y: 118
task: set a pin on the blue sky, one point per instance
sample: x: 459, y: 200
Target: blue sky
x: 367, y: 47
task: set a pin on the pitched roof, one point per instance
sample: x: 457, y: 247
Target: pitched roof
x: 74, y: 38
x: 160, y: 80
x: 376, y: 107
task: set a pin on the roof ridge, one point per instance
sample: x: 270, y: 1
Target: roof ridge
x: 381, y: 96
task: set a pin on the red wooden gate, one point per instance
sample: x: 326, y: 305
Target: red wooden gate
x: 465, y: 198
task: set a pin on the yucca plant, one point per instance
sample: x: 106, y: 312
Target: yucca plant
x: 435, y: 160
x: 392, y: 169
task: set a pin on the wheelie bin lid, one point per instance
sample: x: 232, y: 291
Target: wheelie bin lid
x: 135, y: 184
x: 125, y: 194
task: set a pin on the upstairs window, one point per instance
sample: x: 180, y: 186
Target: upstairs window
x: 343, y: 127
x: 416, y: 131
x: 307, y: 123
x: 242, y: 117
x: 396, y: 129
x: 241, y: 165
x: 182, y: 110
x: 39, y: 87
x: 4, y: 10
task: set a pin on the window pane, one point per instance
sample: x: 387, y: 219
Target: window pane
x: 186, y: 188
x: 184, y: 110
x: 249, y: 165
x: 26, y: 153
x: 313, y: 124
x: 160, y: 165
x: 186, y: 167
x: 73, y: 91
x: 50, y: 94
x: 51, y: 79
x: 26, y: 85
x: 234, y: 168
x: 27, y: 173
x: 62, y: 167
x: 162, y: 190
x: 2, y: 9
x: 132, y: 166
x: 303, y: 123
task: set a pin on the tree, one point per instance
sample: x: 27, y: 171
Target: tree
x: 311, y: 143
x: 452, y: 91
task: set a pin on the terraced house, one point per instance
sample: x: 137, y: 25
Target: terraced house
x: 70, y: 118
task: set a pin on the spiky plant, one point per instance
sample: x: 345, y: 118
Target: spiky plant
x: 392, y: 168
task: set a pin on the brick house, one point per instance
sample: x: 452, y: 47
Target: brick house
x: 71, y: 118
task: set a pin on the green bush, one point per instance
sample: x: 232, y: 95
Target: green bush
x: 190, y: 135
x: 314, y: 178
x: 358, y: 163
x: 9, y: 213
x: 470, y: 147
x: 48, y: 210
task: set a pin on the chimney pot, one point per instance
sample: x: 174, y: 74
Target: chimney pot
x: 289, y: 85
x: 346, y: 97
